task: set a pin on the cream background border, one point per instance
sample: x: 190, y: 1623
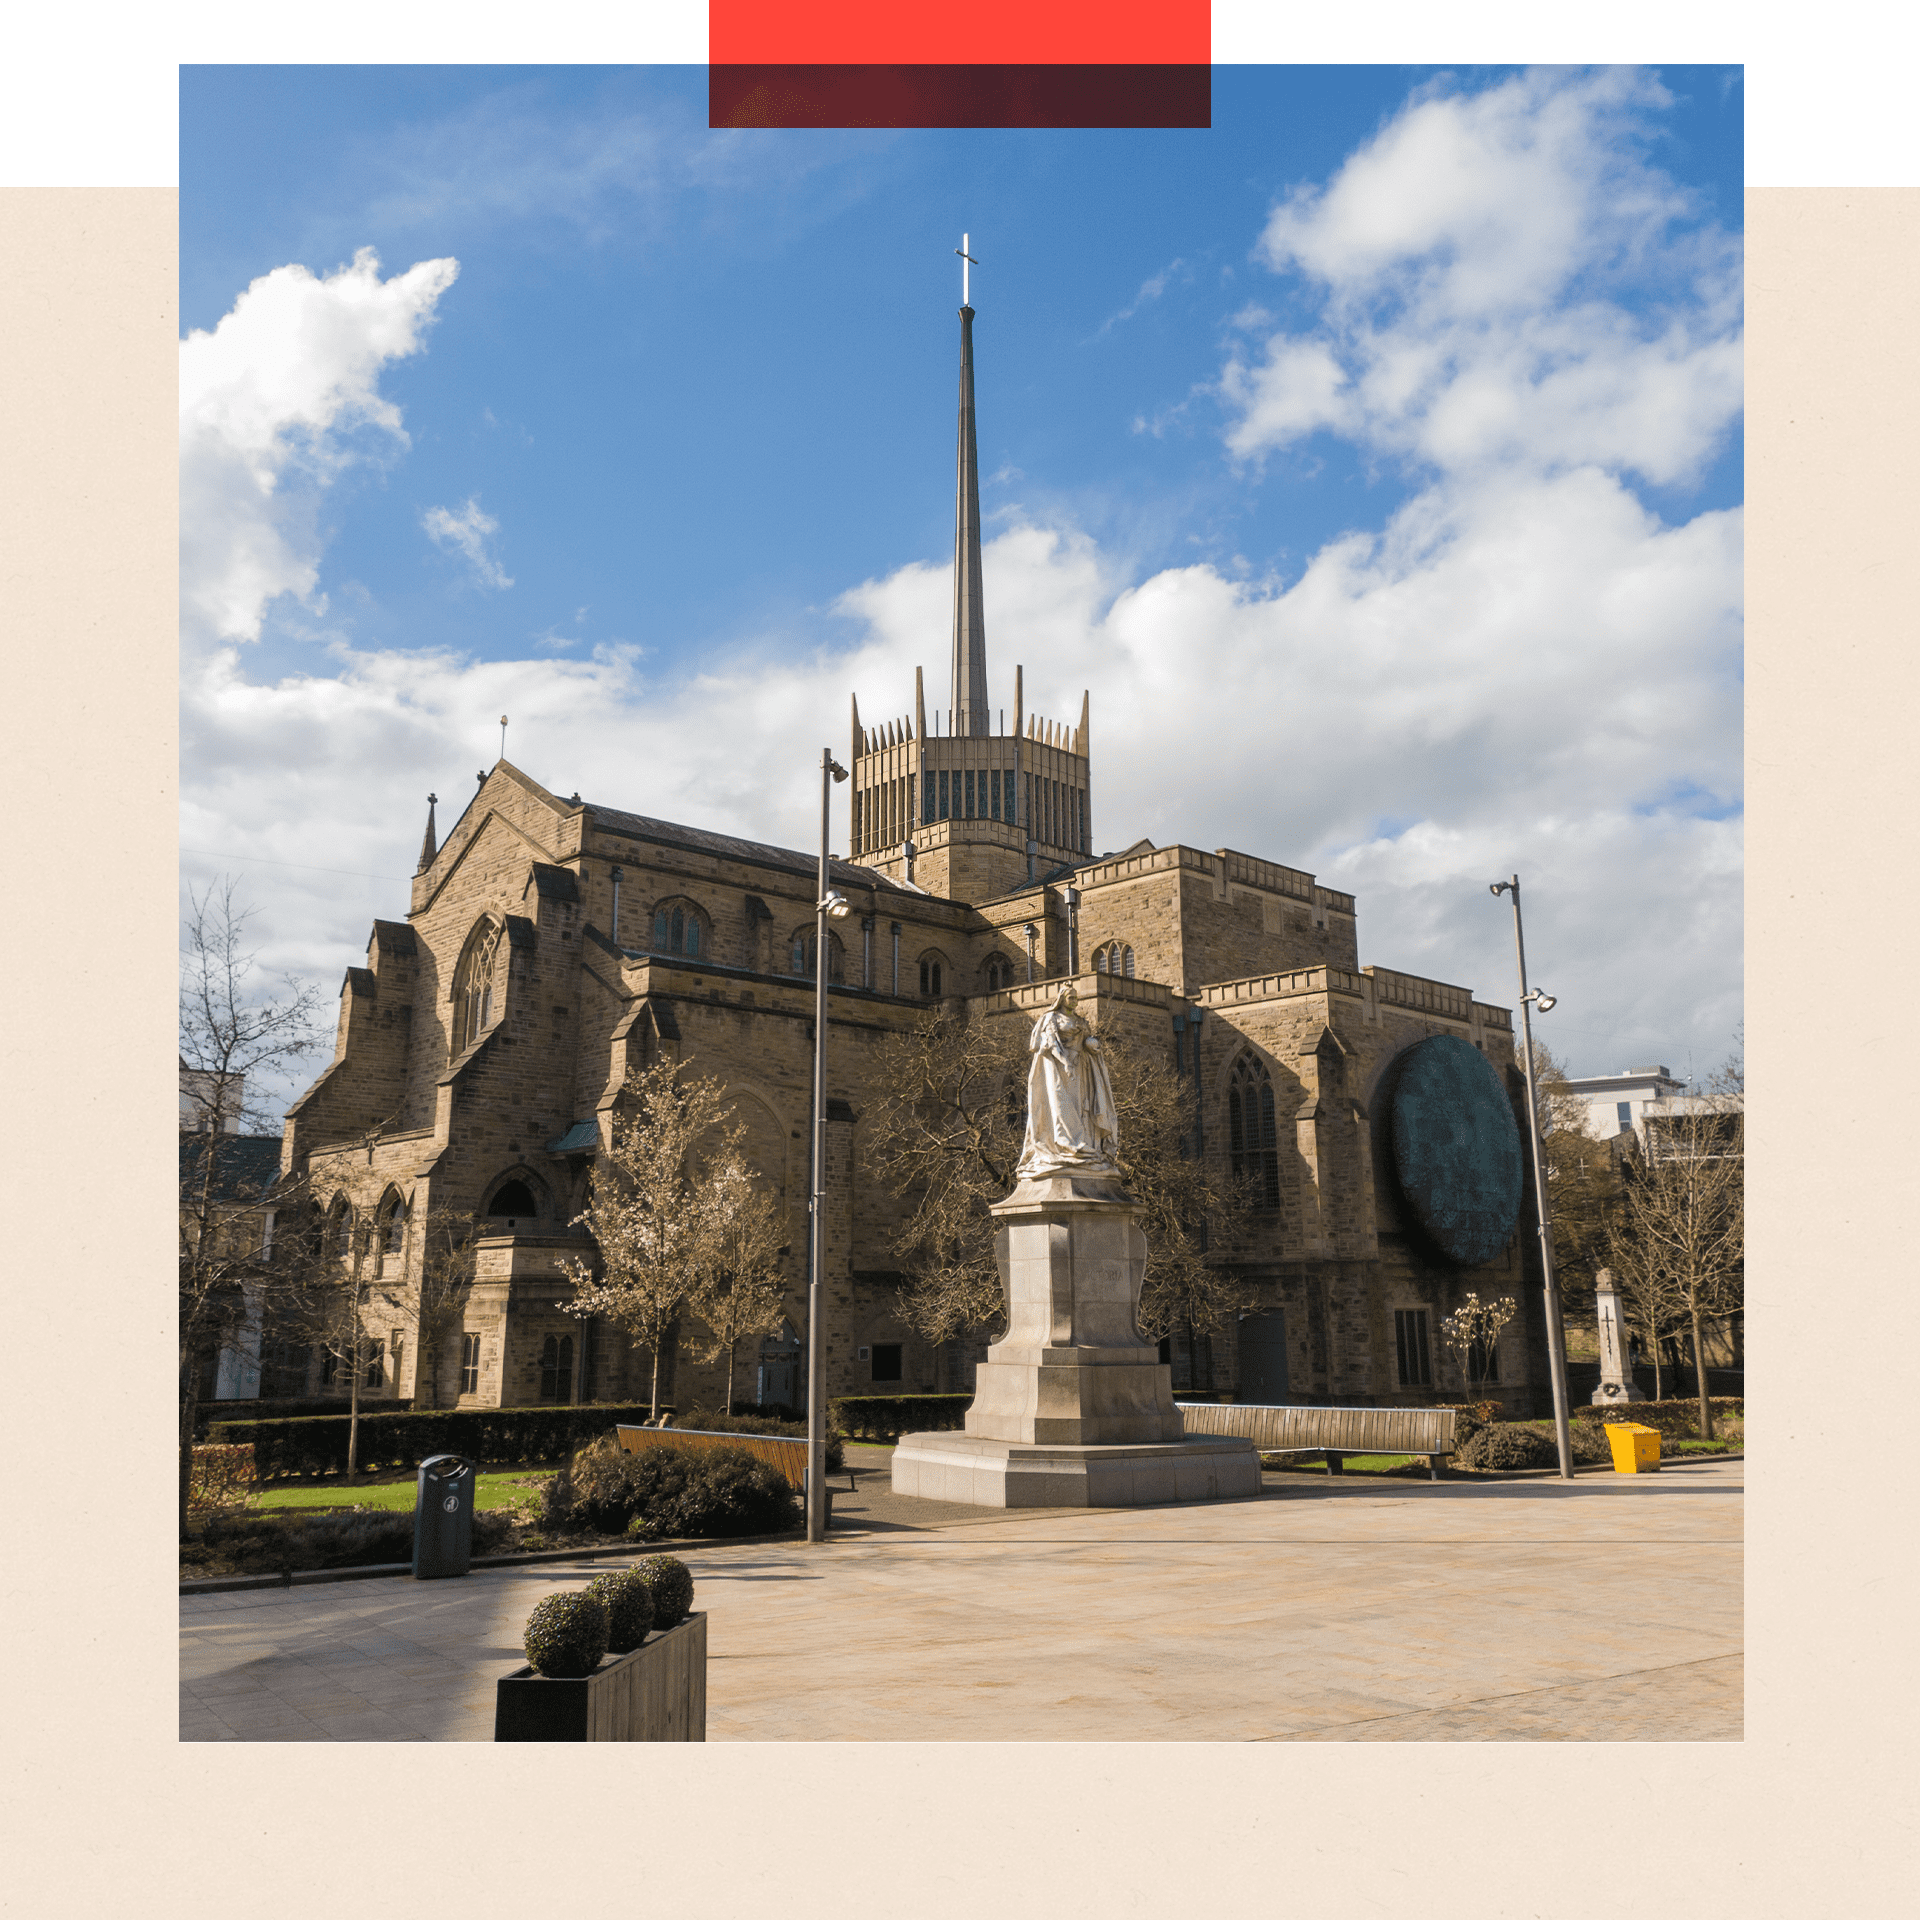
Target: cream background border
x: 109, y: 1812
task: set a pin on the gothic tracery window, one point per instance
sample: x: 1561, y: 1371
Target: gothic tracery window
x: 475, y: 989
x: 678, y: 928
x: 1251, y: 1134
x: 800, y: 951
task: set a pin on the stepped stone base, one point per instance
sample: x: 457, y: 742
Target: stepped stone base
x: 984, y: 1472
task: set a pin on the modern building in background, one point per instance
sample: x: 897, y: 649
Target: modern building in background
x: 551, y: 944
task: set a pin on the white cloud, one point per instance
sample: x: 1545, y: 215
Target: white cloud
x: 1503, y: 283
x: 1150, y: 291
x: 275, y: 403
x: 467, y: 533
x: 1524, y: 669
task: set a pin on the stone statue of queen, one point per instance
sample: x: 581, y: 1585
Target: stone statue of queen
x: 1072, y: 1126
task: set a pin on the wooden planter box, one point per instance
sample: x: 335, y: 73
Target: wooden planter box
x: 656, y: 1692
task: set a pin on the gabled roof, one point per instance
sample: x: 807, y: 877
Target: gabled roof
x: 244, y: 1167
x: 724, y: 846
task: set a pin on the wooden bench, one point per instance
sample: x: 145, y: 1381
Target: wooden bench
x: 790, y: 1456
x: 1333, y: 1432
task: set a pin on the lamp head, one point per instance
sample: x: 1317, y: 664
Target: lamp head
x: 1499, y: 887
x: 836, y: 769
x: 836, y: 906
x: 1545, y: 1002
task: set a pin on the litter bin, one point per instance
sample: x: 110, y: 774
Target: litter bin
x: 443, y: 1517
x: 1636, y: 1449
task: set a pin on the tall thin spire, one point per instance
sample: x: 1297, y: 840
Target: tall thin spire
x: 427, y: 848
x: 971, y: 709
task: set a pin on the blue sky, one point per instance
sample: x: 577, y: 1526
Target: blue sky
x: 1374, y: 456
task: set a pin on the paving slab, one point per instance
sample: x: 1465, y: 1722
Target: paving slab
x: 1325, y: 1609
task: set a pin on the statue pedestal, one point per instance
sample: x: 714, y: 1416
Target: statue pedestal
x: 1071, y: 1408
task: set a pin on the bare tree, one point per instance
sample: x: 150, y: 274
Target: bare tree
x: 1583, y: 1182
x: 651, y: 1210
x: 947, y: 1136
x: 1679, y: 1244
x: 741, y: 1289
x: 232, y: 1035
x: 429, y: 1294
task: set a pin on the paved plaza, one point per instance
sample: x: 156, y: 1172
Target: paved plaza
x: 1326, y: 1609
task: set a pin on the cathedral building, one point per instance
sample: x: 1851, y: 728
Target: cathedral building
x: 551, y: 944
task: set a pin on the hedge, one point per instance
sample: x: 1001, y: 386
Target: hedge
x: 319, y: 1444
x: 220, y: 1477
x: 1676, y: 1419
x: 208, y: 1412
x: 885, y: 1416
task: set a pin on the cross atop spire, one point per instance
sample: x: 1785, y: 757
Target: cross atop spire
x: 966, y: 260
x: 971, y: 708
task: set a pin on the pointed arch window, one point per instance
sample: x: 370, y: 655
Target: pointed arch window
x: 932, y: 975
x: 1114, y: 958
x: 393, y: 1227
x: 476, y: 995
x: 514, y: 1201
x: 800, y: 953
x: 999, y: 973
x: 1252, y: 1140
x: 679, y: 927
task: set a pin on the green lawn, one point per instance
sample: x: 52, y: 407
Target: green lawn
x: 1360, y: 1463
x: 496, y: 1489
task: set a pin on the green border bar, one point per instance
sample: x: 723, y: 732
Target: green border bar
x: 91, y: 96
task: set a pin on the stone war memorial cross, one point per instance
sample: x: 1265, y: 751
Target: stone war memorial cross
x: 1072, y: 1408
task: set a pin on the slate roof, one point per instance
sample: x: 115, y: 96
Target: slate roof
x: 246, y: 1165
x: 724, y: 846
x: 555, y: 883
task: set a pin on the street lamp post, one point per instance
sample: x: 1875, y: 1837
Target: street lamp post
x: 828, y: 905
x: 1556, y: 1336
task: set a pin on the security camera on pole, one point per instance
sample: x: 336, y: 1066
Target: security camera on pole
x: 829, y: 905
x: 1556, y: 1339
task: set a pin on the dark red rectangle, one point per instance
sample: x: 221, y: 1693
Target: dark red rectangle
x: 960, y: 96
x: 990, y: 32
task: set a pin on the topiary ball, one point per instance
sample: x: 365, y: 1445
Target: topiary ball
x: 567, y: 1635
x: 671, y: 1587
x: 629, y: 1606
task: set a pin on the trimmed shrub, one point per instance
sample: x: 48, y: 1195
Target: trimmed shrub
x: 671, y: 1586
x: 220, y: 1477
x: 886, y: 1416
x: 1591, y: 1448
x: 1509, y: 1446
x: 629, y: 1605
x: 567, y: 1635
x: 728, y: 1492
x: 668, y: 1493
x: 706, y: 1420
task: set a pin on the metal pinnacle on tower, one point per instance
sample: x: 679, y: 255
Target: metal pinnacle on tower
x: 971, y: 710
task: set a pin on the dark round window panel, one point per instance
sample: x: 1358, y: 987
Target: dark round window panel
x: 1456, y: 1151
